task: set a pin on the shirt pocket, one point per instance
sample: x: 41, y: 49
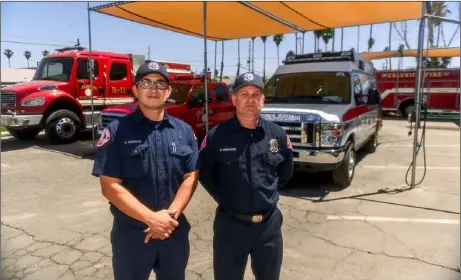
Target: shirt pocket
x: 270, y: 167
x: 179, y: 156
x: 135, y: 161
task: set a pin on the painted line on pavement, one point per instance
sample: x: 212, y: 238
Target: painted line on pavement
x: 406, y: 167
x: 427, y: 145
x: 390, y: 219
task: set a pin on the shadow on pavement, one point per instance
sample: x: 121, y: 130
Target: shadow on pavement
x: 319, y: 186
x: 83, y: 148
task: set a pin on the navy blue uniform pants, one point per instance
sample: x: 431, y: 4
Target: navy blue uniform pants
x: 234, y: 240
x: 134, y: 259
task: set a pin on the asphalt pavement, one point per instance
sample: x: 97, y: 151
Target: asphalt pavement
x: 56, y: 223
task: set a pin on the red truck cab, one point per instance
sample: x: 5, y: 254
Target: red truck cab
x: 58, y: 99
x: 187, y: 102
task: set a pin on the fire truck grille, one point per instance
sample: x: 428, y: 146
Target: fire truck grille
x: 8, y: 99
x: 107, y: 118
x: 309, y: 138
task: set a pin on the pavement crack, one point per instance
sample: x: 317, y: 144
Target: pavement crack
x: 50, y: 257
x: 375, y: 253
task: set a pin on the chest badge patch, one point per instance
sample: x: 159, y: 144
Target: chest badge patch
x: 273, y: 145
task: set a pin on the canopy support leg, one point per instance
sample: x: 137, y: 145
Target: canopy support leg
x: 90, y: 69
x: 418, y: 92
x: 206, y: 65
x: 215, y: 52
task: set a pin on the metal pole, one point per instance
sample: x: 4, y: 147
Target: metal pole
x: 90, y: 64
x: 342, y: 37
x: 418, y: 91
x: 358, y: 38
x: 304, y: 33
x: 215, y: 51
x: 206, y: 65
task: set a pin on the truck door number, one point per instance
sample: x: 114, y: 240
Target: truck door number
x: 118, y: 90
x: 341, y: 74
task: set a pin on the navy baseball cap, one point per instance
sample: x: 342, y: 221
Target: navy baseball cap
x: 248, y: 79
x: 151, y: 67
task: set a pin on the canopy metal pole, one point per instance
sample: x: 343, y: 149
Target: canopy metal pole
x: 215, y: 52
x: 90, y: 68
x: 418, y: 91
x: 206, y: 66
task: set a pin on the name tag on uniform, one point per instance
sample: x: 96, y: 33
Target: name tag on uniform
x: 228, y: 149
x: 132, y: 142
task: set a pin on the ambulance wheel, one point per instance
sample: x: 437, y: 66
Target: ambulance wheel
x: 370, y: 146
x: 63, y: 127
x: 345, y: 173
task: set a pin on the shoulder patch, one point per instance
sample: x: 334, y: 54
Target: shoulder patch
x: 105, y: 137
x: 203, y: 145
x: 289, y: 143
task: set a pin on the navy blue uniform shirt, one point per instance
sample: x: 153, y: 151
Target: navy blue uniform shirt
x: 149, y: 157
x: 243, y: 169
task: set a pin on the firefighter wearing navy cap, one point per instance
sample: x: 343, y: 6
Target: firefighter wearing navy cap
x: 244, y: 163
x: 147, y: 163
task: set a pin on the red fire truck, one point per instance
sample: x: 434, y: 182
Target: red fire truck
x: 441, y: 93
x: 58, y: 99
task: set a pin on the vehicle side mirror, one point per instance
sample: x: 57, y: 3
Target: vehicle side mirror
x: 195, y: 103
x: 374, y: 96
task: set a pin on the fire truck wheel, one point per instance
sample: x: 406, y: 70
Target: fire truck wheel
x: 63, y: 126
x: 370, y: 146
x: 345, y: 173
x: 24, y: 133
x: 407, y: 109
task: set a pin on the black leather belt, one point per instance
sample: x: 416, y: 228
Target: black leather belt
x: 253, y: 218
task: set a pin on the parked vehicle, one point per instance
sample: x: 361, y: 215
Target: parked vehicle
x: 187, y: 102
x: 330, y: 107
x: 440, y: 90
x: 58, y: 99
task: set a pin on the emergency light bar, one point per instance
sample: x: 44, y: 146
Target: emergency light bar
x: 319, y: 57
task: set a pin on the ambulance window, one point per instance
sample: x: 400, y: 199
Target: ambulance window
x: 357, y: 85
x: 221, y: 94
x: 118, y: 71
x: 82, y: 71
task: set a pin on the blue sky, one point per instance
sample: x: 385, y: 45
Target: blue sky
x: 61, y: 23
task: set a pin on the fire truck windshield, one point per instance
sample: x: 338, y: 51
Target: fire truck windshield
x: 54, y: 69
x: 316, y: 87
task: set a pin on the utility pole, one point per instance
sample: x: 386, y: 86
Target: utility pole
x: 148, y: 52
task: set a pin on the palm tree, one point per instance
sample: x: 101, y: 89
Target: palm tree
x: 317, y: 34
x: 9, y: 54
x: 45, y: 53
x: 371, y: 42
x: 264, y: 38
x: 278, y: 39
x: 27, y: 54
x: 327, y: 34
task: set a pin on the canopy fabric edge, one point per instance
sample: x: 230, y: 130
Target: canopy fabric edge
x: 108, y: 5
x: 434, y: 52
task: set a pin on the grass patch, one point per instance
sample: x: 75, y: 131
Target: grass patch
x: 2, y: 129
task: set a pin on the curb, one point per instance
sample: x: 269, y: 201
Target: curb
x: 5, y: 133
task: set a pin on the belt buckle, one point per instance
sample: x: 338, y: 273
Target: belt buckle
x: 257, y: 218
